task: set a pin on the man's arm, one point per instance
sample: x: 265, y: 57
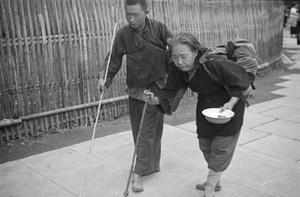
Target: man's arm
x: 117, y: 53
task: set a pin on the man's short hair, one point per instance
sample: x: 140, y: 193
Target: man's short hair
x: 143, y: 3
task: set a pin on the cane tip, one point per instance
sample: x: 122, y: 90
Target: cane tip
x: 125, y: 193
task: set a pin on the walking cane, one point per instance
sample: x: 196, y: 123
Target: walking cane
x: 97, y: 116
x: 135, y: 148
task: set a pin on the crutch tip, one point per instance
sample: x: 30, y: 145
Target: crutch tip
x: 125, y: 193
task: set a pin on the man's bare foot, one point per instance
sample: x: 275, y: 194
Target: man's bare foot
x: 137, y: 185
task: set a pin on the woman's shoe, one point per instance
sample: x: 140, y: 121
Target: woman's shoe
x: 201, y: 186
x: 212, y: 179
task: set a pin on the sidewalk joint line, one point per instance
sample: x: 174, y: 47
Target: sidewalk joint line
x: 270, y: 159
x: 258, y: 187
x: 268, y: 134
x: 260, y: 113
x: 275, y: 119
x: 274, y: 176
x: 180, y: 157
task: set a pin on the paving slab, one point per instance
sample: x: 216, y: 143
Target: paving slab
x: 295, y: 66
x: 190, y: 126
x: 289, y: 84
x: 262, y: 107
x: 106, y: 181
x: 286, y: 60
x: 293, y: 51
x: 293, y: 77
x: 281, y: 128
x: 295, y: 56
x: 178, y: 131
x: 285, y: 101
x: 119, y: 155
x: 286, y: 184
x: 288, y: 92
x: 186, y: 148
x: 253, y: 119
x: 284, y: 113
x: 175, y: 179
x: 107, y: 142
x: 66, y: 167
x: 18, y: 180
x: 247, y: 168
x: 270, y: 158
x: 290, y: 44
x: 236, y: 188
x: 276, y: 146
x: 248, y: 135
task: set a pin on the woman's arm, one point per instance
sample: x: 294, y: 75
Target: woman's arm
x: 149, y: 98
x: 230, y: 104
x: 163, y: 98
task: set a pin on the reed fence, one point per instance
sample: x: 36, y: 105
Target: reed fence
x: 51, y: 53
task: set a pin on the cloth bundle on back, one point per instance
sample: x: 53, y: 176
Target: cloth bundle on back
x: 243, y: 53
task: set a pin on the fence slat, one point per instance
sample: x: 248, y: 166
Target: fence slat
x: 5, y: 111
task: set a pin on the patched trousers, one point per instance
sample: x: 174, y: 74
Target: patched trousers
x: 218, y: 151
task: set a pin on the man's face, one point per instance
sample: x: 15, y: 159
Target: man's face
x: 135, y: 16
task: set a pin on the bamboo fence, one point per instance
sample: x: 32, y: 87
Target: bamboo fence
x: 51, y: 52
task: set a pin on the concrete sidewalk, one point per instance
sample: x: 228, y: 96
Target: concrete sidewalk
x: 266, y: 162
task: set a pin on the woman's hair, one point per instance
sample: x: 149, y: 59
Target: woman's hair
x: 187, y: 39
x: 143, y: 3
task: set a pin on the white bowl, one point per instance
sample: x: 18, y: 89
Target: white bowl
x: 214, y: 115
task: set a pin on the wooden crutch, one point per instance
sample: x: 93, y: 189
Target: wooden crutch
x: 98, y: 112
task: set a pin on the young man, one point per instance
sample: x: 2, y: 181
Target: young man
x: 143, y: 40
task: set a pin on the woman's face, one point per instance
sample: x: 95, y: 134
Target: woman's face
x: 183, y: 57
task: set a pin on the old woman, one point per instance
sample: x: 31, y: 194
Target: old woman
x: 217, y: 141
